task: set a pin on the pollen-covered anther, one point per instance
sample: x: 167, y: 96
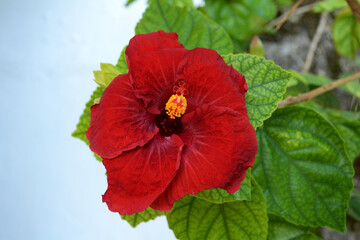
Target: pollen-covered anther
x: 176, y: 105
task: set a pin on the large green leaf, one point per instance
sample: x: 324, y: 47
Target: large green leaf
x: 84, y: 122
x: 354, y: 204
x: 243, y: 19
x: 347, y: 123
x: 137, y: 218
x: 219, y: 195
x: 193, y: 28
x: 266, y: 84
x: 346, y: 33
x: 303, y: 168
x: 280, y: 229
x: 193, y: 218
x: 350, y: 131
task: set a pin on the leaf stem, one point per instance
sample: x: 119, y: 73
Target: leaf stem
x: 293, y: 8
x: 315, y: 41
x: 290, y: 100
x: 355, y: 8
x: 298, y: 11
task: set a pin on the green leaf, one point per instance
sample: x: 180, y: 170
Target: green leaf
x: 354, y: 204
x: 145, y: 216
x: 346, y: 33
x: 193, y: 218
x: 266, y: 84
x: 317, y: 80
x: 106, y: 75
x: 296, y: 85
x: 219, y: 195
x: 193, y: 28
x: 284, y: 2
x: 243, y: 19
x: 280, y: 229
x: 181, y: 3
x: 327, y: 98
x: 329, y: 5
x: 84, y: 122
x: 347, y: 123
x: 303, y: 168
x: 122, y: 64
x: 129, y: 2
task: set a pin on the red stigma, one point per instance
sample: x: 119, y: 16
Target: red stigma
x: 181, y: 89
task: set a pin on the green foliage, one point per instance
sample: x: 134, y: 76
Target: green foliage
x: 350, y: 131
x: 193, y: 218
x: 280, y: 229
x: 181, y: 3
x: 193, y: 28
x: 347, y: 123
x: 283, y: 2
x: 318, y: 80
x: 121, y: 64
x: 106, y: 75
x: 219, y: 195
x: 354, y: 204
x: 145, y: 216
x: 346, y: 33
x: 84, y: 122
x: 303, y: 168
x: 296, y: 85
x: 243, y: 19
x: 327, y: 99
x: 266, y: 84
x: 129, y: 2
x: 329, y: 5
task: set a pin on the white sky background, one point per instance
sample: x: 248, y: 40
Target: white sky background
x: 50, y: 183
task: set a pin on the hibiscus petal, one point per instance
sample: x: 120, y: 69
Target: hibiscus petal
x: 142, y: 44
x: 154, y: 76
x: 137, y: 177
x: 211, y: 81
x: 208, y: 159
x: 245, y: 152
x: 120, y: 122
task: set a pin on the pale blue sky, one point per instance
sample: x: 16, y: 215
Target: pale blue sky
x: 51, y: 185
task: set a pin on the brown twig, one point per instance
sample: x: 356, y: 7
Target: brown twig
x: 290, y: 100
x: 355, y: 8
x: 293, y: 8
x: 298, y: 11
x: 315, y: 41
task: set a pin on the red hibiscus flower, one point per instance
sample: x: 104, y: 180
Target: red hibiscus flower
x: 176, y: 124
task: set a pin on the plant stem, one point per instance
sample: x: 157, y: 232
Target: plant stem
x: 290, y: 100
x: 355, y: 8
x: 315, y: 41
x: 298, y: 11
x: 296, y: 5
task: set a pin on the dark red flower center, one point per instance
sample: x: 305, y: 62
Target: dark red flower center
x: 169, y: 121
x: 168, y: 126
